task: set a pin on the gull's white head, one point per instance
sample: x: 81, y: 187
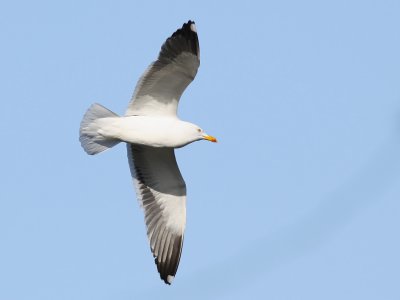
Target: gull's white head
x: 195, y: 133
x: 205, y: 136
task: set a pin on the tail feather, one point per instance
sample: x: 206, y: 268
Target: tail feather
x: 89, y: 133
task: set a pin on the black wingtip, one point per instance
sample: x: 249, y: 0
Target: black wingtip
x: 167, y: 269
x: 164, y: 277
x: 188, y: 32
x: 189, y: 24
x: 185, y: 39
x: 187, y: 29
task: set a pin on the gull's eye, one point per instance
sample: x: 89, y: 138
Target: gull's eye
x: 199, y: 130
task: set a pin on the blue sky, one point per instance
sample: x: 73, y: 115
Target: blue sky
x: 298, y: 200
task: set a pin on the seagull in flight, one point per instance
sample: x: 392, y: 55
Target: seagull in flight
x: 152, y: 130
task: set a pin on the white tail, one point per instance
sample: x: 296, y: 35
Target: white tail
x: 91, y: 140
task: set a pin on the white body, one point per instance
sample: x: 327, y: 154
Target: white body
x: 102, y: 129
x: 149, y: 131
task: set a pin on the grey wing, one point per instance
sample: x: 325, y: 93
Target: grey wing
x: 162, y: 84
x: 162, y: 194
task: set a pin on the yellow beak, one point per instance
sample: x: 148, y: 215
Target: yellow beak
x: 210, y: 138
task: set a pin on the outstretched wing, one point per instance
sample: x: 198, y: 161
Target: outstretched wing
x: 162, y: 84
x: 162, y: 194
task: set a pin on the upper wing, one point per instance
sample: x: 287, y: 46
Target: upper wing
x: 162, y: 84
x: 162, y: 194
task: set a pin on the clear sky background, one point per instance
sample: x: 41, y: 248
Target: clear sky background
x: 300, y: 199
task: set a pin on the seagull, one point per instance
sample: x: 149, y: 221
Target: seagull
x: 152, y: 130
